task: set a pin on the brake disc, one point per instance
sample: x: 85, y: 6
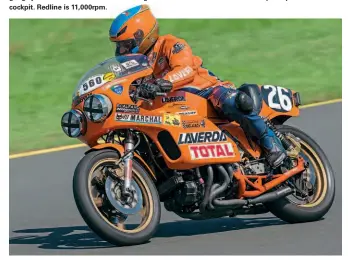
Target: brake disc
x: 132, y: 205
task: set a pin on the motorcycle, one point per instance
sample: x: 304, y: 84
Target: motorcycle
x: 178, y: 150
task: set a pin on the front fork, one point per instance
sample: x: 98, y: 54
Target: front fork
x: 128, y: 162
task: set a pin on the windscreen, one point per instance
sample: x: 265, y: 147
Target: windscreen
x: 108, y: 70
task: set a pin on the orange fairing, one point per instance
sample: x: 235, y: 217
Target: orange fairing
x: 184, y: 126
x: 182, y: 115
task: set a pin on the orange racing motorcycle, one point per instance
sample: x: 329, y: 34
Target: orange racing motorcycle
x: 177, y: 150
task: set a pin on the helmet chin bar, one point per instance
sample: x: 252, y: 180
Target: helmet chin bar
x: 129, y: 45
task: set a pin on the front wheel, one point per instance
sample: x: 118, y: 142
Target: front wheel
x: 301, y: 207
x: 97, y: 186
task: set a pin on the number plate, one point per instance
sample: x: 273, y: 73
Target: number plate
x: 278, y: 98
x: 91, y: 84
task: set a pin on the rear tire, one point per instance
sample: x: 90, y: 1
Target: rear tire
x: 322, y: 202
x: 92, y: 215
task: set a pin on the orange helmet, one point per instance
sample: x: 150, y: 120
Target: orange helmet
x: 134, y: 30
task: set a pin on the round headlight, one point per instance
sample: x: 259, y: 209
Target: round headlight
x: 73, y: 123
x: 97, y: 107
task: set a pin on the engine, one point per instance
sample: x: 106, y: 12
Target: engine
x: 188, y: 194
x: 182, y: 192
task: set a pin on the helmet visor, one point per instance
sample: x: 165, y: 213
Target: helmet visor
x: 124, y: 47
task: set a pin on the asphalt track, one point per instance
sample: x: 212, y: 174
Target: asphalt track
x: 44, y: 219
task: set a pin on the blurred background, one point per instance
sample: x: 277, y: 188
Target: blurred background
x: 48, y: 57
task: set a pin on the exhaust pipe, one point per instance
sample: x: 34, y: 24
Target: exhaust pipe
x: 267, y: 197
x: 271, y: 196
x: 216, y: 190
x: 208, y: 188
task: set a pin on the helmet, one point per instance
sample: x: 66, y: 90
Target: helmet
x: 134, y: 31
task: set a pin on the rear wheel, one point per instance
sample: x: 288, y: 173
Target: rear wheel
x: 97, y: 188
x: 318, y: 179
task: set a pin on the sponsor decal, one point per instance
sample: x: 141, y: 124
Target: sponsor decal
x: 202, y: 137
x: 221, y: 150
x: 193, y: 123
x: 171, y: 120
x: 184, y: 107
x: 178, y: 47
x: 126, y: 108
x: 117, y: 89
x: 180, y: 74
x: 108, y: 76
x: 176, y: 105
x: 141, y: 119
x: 116, y: 68
x: 187, y: 113
x: 130, y: 64
x: 172, y: 99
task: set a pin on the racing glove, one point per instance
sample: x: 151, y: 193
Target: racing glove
x: 149, y: 90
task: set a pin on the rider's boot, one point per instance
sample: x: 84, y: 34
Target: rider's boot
x: 273, y: 148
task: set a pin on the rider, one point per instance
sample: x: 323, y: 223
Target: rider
x: 176, y: 68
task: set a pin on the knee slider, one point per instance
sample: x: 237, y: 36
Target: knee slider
x: 244, y: 102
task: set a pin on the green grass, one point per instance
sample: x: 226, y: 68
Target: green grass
x: 47, y: 58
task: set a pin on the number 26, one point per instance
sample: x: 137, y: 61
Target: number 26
x: 284, y: 100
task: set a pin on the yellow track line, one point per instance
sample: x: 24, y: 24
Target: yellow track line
x: 322, y: 103
x: 61, y: 148
x: 44, y: 151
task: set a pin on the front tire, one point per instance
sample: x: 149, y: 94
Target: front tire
x: 325, y: 184
x: 100, y: 222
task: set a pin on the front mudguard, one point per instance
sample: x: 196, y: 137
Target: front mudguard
x: 119, y: 148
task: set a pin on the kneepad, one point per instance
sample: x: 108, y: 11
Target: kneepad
x: 253, y: 91
x: 244, y: 102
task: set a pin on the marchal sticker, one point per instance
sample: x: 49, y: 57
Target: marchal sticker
x: 141, y: 119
